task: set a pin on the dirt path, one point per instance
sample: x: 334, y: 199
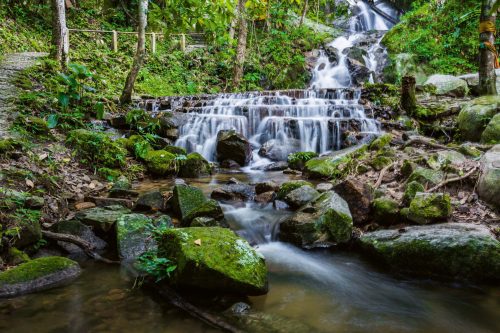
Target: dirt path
x: 10, y: 66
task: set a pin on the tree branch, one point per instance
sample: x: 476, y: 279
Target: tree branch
x: 456, y: 179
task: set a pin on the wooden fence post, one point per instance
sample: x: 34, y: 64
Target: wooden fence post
x: 115, y: 41
x: 153, y: 42
x: 183, y: 42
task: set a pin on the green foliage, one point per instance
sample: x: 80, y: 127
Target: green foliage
x: 298, y: 160
x: 158, y: 268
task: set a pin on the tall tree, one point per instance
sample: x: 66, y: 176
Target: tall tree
x: 304, y: 12
x: 60, y: 36
x: 241, y: 49
x: 488, y: 57
x: 140, y: 54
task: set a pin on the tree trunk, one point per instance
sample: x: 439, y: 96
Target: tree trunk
x: 126, y: 96
x: 242, y: 44
x: 60, y: 34
x: 304, y: 12
x: 408, y: 99
x: 487, y: 51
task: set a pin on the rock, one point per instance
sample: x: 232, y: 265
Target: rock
x: 76, y: 228
x: 175, y: 150
x: 411, y: 190
x: 324, y: 221
x: 324, y: 187
x: 105, y: 202
x: 445, y: 159
x: 204, y: 222
x: 101, y: 219
x: 234, y: 192
x: 447, y: 85
x: 454, y: 250
x: 386, y: 211
x: 153, y: 200
x: 84, y: 205
x: 277, y: 150
x: 428, y: 208
x: 488, y: 187
x: 280, y: 205
x: 426, y: 177
x: 469, y: 150
x: 329, y: 166
x: 359, y: 72
x: 122, y: 183
x: 36, y: 275
x: 133, y: 236
x: 276, y: 166
x: 269, y: 186
x: 233, y: 146
x: 359, y: 197
x: 491, y: 134
x: 122, y: 189
x: 185, y: 199
x: 229, y: 164
x: 209, y: 208
x: 160, y: 163
x: 28, y: 232
x: 265, y: 197
x: 300, y: 196
x: 219, y: 261
x: 194, y: 166
x: 380, y: 142
x: 288, y: 187
x: 474, y: 117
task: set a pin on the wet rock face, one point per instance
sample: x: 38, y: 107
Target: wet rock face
x: 233, y: 146
x: 279, y: 151
x: 488, y: 186
x: 453, y: 250
x: 153, y: 200
x: 214, y: 259
x: 301, y: 196
x: 36, y: 275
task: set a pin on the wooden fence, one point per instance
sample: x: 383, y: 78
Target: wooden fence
x: 154, y: 36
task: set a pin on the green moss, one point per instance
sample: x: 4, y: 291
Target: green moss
x: 176, y: 150
x: 161, y: 163
x: 298, y: 160
x: 382, y: 94
x: 9, y: 145
x: 194, y: 166
x: 386, y: 211
x: 222, y: 261
x: 474, y: 117
x: 209, y: 208
x: 97, y: 148
x: 35, y: 269
x: 288, y: 187
x: 380, y: 142
x: 379, y: 162
x: 429, y: 207
x: 491, y: 134
x: 185, y: 199
x: 469, y: 150
x: 109, y: 174
x: 411, y: 190
x: 17, y: 257
x: 426, y: 176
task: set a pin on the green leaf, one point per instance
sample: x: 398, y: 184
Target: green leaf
x: 52, y: 120
x: 63, y: 100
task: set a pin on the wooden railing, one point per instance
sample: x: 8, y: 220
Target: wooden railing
x: 153, y: 35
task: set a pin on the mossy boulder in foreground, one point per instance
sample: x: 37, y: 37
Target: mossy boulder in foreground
x: 488, y: 186
x: 35, y: 275
x: 474, y: 117
x: 194, y: 166
x: 214, y: 259
x: 491, y: 133
x: 454, y: 250
x: 428, y: 208
x: 325, y: 221
x: 185, y: 199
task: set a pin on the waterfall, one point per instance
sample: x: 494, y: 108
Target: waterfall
x: 316, y: 119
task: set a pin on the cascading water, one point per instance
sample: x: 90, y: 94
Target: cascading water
x: 315, y: 121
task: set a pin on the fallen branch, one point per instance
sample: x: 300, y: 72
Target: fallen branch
x: 211, y: 319
x: 456, y: 179
x: 87, y: 247
x: 382, y: 174
x: 420, y: 140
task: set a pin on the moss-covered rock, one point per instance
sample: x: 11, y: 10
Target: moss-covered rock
x: 209, y: 208
x: 97, y: 148
x: 323, y: 221
x: 447, y: 85
x: 10, y: 199
x: 297, y: 161
x: 428, y: 208
x: 491, y: 133
x: 426, y: 177
x: 454, y: 250
x: 488, y: 187
x: 214, y: 259
x: 161, y: 163
x: 411, y: 190
x: 175, y: 150
x: 386, y: 211
x: 469, y: 150
x: 474, y: 117
x: 448, y: 160
x: 36, y: 275
x: 34, y: 125
x: 335, y: 165
x: 380, y: 142
x: 152, y: 200
x: 194, y: 166
x: 133, y: 236
x: 288, y: 187
x: 16, y: 256
x: 379, y: 162
x: 102, y: 219
x: 300, y: 196
x: 185, y: 199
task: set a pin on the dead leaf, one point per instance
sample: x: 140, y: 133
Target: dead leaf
x: 30, y: 183
x: 43, y: 156
x: 198, y: 242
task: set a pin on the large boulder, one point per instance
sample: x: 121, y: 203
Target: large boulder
x: 488, y: 187
x: 300, y: 196
x: 152, y: 200
x: 185, y: 199
x: 324, y: 221
x: 277, y: 150
x: 455, y: 250
x: 101, y: 219
x: 491, y: 133
x: 233, y: 146
x: 448, y: 85
x: 36, y: 275
x: 214, y: 259
x: 359, y: 196
x: 194, y: 166
x: 234, y: 192
x: 133, y: 236
x: 474, y: 117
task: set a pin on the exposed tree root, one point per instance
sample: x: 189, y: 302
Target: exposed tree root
x: 382, y: 174
x: 456, y: 179
x: 421, y: 140
x: 83, y: 244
